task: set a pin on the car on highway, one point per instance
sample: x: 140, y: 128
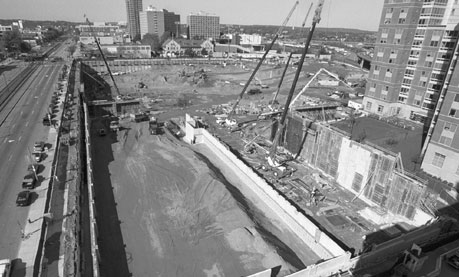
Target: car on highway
x: 5, y: 267
x: 24, y: 198
x: 454, y: 261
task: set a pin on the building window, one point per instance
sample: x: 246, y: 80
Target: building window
x: 368, y: 106
x: 456, y: 98
x: 380, y: 108
x: 438, y: 160
x: 401, y: 20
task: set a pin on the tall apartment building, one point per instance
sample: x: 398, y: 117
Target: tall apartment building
x: 203, y: 26
x: 171, y: 23
x: 415, y: 43
x: 133, y: 7
x: 151, y: 22
x: 441, y: 156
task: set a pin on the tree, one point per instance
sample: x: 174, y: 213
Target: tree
x: 204, y: 52
x: 25, y: 47
x: 189, y: 52
x: 12, y: 41
x: 152, y: 40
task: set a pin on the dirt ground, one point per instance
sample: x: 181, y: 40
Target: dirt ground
x: 204, y: 85
x: 180, y: 216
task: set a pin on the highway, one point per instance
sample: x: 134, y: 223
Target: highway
x: 20, y: 126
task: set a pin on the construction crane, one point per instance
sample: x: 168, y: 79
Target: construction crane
x: 315, y: 21
x: 279, y: 31
x: 103, y: 57
x: 288, y: 61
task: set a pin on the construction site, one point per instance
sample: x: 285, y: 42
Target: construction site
x: 245, y: 167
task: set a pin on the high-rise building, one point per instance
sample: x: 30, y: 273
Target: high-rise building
x: 203, y: 26
x: 133, y: 7
x: 414, y: 46
x: 172, y: 23
x: 151, y: 22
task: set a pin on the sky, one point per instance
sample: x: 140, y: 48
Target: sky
x: 357, y: 14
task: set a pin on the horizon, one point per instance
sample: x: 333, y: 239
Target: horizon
x: 335, y: 14
x: 231, y: 24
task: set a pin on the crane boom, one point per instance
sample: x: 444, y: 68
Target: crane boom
x: 315, y: 20
x: 103, y: 57
x: 279, y: 31
x: 312, y: 79
x: 289, y: 57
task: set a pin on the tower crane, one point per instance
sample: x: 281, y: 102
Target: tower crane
x: 279, y: 31
x: 315, y: 21
x: 103, y: 57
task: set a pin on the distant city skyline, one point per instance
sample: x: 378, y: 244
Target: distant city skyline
x: 356, y: 14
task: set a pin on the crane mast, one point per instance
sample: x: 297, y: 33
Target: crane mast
x: 315, y: 20
x: 103, y: 57
x: 279, y: 31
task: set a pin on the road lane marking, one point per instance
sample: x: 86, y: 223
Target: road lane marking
x: 9, y: 159
x: 20, y: 137
x: 14, y: 125
x: 5, y: 140
x: 33, y: 111
x: 22, y: 112
x: 27, y: 123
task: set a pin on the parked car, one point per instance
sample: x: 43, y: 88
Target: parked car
x: 23, y: 198
x: 29, y: 182
x: 39, y: 146
x: 37, y: 156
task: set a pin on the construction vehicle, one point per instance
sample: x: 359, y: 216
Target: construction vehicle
x: 278, y: 33
x: 153, y: 126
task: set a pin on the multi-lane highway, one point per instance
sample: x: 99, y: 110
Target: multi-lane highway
x: 20, y: 126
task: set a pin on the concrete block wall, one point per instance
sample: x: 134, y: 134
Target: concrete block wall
x: 306, y: 230
x: 92, y: 210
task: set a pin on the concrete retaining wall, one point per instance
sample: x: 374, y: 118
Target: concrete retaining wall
x: 92, y: 210
x: 306, y: 230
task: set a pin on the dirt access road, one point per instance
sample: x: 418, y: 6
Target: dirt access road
x: 177, y: 213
